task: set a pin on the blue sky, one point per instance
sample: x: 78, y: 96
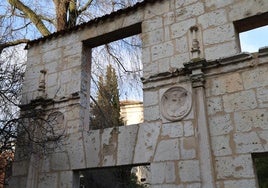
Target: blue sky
x: 254, y: 39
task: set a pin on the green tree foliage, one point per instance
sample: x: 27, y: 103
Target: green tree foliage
x: 105, y: 112
x: 261, y: 165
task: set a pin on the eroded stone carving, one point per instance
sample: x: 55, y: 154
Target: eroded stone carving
x: 176, y: 103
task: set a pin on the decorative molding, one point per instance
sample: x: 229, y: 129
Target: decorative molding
x: 197, y: 76
x: 176, y: 103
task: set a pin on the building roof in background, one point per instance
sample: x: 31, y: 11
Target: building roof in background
x: 130, y: 102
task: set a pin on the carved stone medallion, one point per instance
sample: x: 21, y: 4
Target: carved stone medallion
x: 176, y: 103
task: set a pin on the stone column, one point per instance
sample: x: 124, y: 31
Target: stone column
x: 205, y: 149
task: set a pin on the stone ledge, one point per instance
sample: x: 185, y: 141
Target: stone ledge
x: 263, y: 51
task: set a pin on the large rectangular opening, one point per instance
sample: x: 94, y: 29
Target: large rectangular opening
x: 116, y: 96
x: 129, y: 176
x: 253, y: 32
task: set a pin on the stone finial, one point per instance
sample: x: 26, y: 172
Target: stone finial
x: 195, y: 49
x: 42, y: 84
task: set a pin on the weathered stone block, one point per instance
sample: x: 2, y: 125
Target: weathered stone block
x: 188, y: 128
x: 157, y: 9
x: 194, y: 185
x: 50, y: 45
x: 59, y: 161
x: 163, y: 172
x: 177, y: 61
x: 262, y: 96
x: 221, y: 145
x: 180, y: 3
x: 52, y: 56
x: 20, y: 168
x: 188, y: 148
x: 214, y: 105
x: 68, y: 40
x: 222, y: 33
x: 243, y: 100
x: 218, y: 4
x: 47, y: 180
x: 75, y: 149
x: 167, y: 186
x: 152, y: 24
x: 212, y: 19
x: 109, y: 141
x: 247, y: 120
x: 182, y: 45
x: 255, y: 78
x: 153, y: 37
x: 226, y: 84
x: 169, y: 18
x: 181, y: 28
x: 73, y: 49
x: 163, y: 65
x: 126, y: 144
x: 92, y: 148
x: 190, y: 11
x: 151, y: 113
x: 132, y: 19
x: 146, y: 55
x: 247, y: 142
x: 66, y: 179
x: 150, y: 98
x: 264, y: 139
x: 162, y: 50
x: 242, y: 9
x: 189, y: 171
x: 224, y: 49
x: 248, y: 183
x: 146, y: 142
x: 167, y: 150
x: 150, y: 69
x: 172, y: 130
x: 220, y: 124
x: 234, y: 167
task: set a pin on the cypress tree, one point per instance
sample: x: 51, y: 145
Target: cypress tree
x: 106, y: 111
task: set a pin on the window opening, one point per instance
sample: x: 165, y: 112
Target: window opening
x: 254, y: 39
x: 253, y: 32
x: 116, y: 96
x: 116, y: 177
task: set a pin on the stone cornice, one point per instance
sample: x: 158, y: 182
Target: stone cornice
x: 204, y: 65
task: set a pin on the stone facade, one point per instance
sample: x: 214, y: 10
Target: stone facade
x: 191, y: 45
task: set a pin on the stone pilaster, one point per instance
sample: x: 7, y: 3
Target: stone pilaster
x: 206, y: 164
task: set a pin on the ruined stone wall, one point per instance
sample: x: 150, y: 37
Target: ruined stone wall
x: 237, y: 112
x: 205, y: 107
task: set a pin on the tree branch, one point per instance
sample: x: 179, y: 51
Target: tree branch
x: 31, y: 15
x: 82, y: 9
x: 12, y: 43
